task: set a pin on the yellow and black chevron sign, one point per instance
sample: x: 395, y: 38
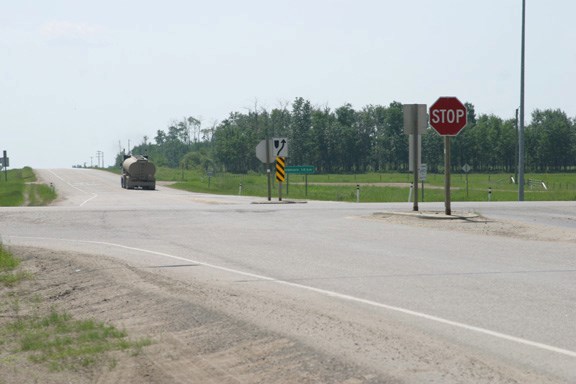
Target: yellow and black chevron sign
x: 280, y: 168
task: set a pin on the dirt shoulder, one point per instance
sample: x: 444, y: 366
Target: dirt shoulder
x: 193, y: 340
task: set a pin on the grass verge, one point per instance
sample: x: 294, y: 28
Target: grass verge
x: 375, y: 187
x: 21, y: 189
x: 8, y: 263
x: 379, y: 187
x: 52, y: 337
x: 61, y: 342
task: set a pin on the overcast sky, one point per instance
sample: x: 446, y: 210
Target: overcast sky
x: 77, y: 77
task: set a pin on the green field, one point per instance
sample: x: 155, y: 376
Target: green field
x: 379, y: 187
x: 21, y: 189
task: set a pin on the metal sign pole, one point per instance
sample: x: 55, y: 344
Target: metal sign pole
x: 422, y: 190
x: 268, y: 172
x: 415, y: 122
x: 416, y: 164
x: 447, y: 175
x: 279, y: 191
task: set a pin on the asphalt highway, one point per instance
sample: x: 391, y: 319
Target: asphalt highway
x: 510, y: 298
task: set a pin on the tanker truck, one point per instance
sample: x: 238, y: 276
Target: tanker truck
x: 138, y: 172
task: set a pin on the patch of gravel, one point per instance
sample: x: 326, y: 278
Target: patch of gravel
x: 471, y: 222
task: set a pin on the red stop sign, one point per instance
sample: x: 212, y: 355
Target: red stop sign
x: 448, y: 116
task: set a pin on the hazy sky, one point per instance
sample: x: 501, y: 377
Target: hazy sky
x: 77, y: 77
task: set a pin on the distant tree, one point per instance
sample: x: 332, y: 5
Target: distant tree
x: 433, y: 150
x: 197, y: 160
x: 299, y: 134
x: 551, y: 137
x: 471, y: 116
x: 324, y: 140
x: 371, y: 121
x: 234, y: 143
x: 194, y: 125
x: 160, y: 137
x: 397, y: 158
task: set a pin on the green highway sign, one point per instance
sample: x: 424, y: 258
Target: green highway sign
x: 300, y: 169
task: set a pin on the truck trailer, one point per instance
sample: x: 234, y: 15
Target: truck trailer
x: 138, y: 172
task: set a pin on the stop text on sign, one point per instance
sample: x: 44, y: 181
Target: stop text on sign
x: 447, y: 116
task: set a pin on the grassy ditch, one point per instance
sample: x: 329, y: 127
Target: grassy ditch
x: 376, y: 187
x: 29, y: 330
x: 21, y: 189
x: 379, y: 187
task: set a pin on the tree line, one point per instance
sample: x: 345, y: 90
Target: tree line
x: 345, y: 140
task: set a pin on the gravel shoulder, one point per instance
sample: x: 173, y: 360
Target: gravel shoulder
x: 196, y: 336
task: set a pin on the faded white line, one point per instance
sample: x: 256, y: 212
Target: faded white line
x: 94, y: 195
x: 325, y: 292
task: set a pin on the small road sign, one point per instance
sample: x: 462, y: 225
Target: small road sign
x: 280, y: 168
x: 300, y: 169
x: 261, y: 152
x: 415, y: 117
x: 422, y: 172
x: 448, y: 116
x: 280, y: 146
x: 276, y: 147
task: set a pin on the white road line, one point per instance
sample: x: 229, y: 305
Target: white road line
x: 94, y: 195
x: 425, y: 316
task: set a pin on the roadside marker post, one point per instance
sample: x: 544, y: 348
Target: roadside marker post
x: 280, y: 174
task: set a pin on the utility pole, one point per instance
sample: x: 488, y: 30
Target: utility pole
x: 516, y: 149
x: 100, y: 156
x: 521, y: 149
x: 5, y: 163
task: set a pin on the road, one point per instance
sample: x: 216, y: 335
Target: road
x: 500, y: 308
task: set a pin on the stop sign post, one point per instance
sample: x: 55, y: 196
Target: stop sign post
x: 448, y: 116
